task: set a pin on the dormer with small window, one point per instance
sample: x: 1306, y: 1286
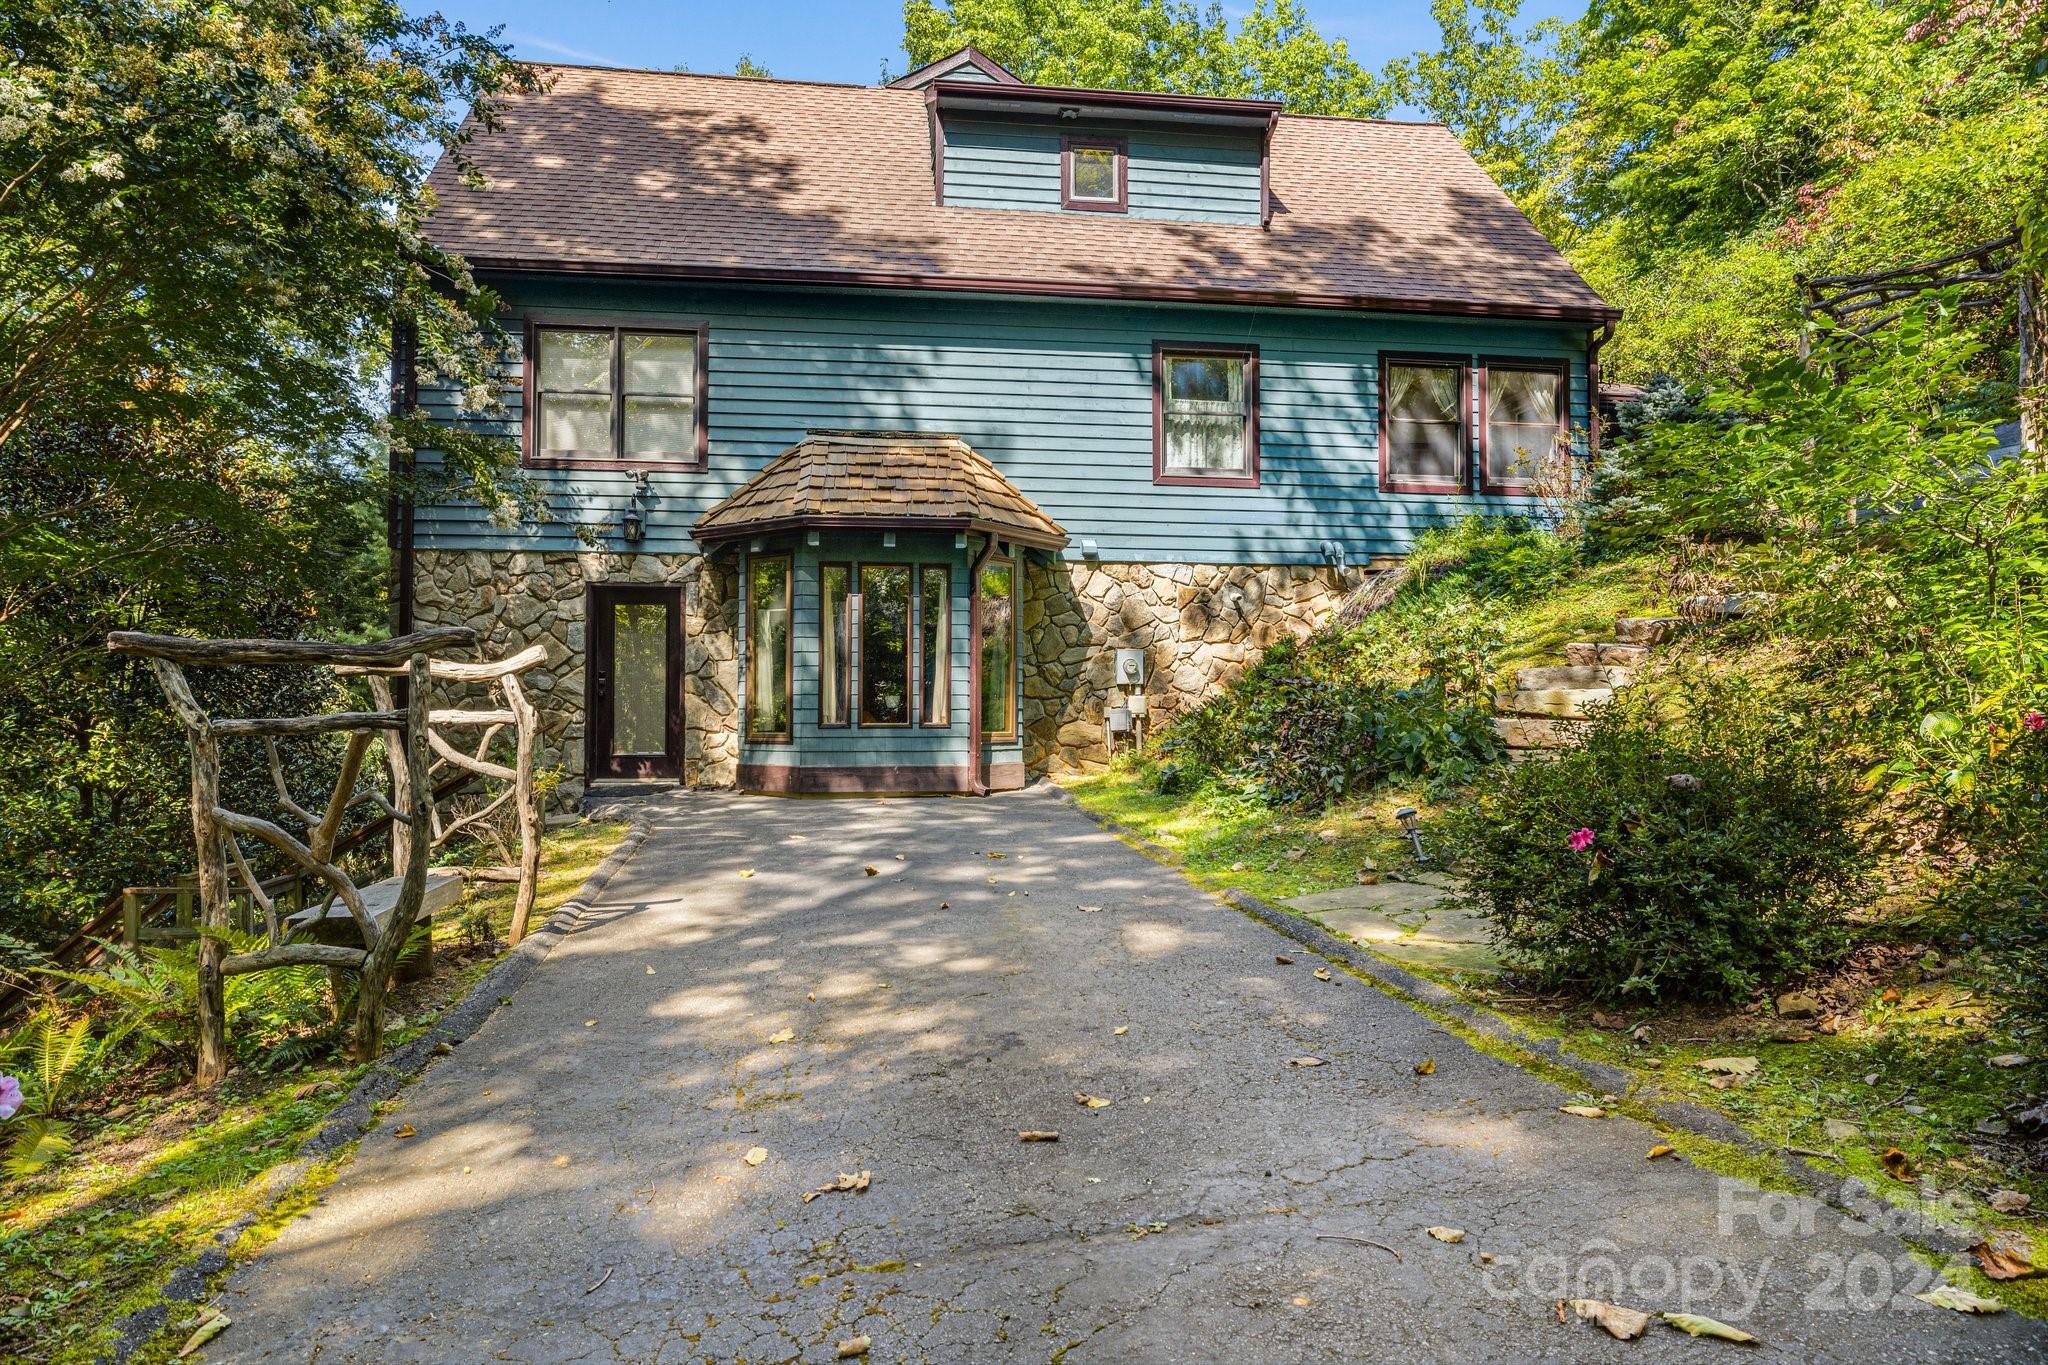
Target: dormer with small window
x: 998, y: 143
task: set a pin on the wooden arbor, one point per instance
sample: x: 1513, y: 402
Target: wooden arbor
x: 415, y: 829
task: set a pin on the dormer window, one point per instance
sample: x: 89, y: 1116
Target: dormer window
x: 1093, y: 174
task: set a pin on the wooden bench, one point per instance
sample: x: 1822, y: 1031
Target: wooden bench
x: 443, y: 892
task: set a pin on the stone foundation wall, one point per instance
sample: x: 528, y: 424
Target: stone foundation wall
x: 517, y: 599
x: 1199, y: 625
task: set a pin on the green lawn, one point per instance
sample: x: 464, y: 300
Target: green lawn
x: 160, y: 1169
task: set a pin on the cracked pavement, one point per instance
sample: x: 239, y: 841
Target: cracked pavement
x: 577, y: 1189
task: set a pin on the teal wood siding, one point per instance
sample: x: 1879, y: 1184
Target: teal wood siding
x: 1212, y: 178
x: 1057, y: 394
x: 814, y: 745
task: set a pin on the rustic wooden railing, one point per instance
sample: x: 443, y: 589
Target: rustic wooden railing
x: 380, y: 918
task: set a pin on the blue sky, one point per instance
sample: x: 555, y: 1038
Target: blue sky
x: 839, y: 40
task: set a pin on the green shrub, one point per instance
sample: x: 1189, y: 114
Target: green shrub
x: 2002, y: 894
x: 1308, y: 724
x: 1663, y: 858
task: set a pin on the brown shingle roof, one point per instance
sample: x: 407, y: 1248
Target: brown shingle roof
x: 881, y: 478
x: 639, y: 172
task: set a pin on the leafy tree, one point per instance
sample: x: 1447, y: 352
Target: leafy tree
x: 212, y: 211
x: 1505, y: 94
x: 1274, y: 51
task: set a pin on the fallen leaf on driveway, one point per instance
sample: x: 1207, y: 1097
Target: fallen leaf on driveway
x: 853, y: 1346
x: 1088, y: 1101
x: 1122, y: 1031
x: 650, y: 971
x: 1896, y: 1164
x: 1446, y: 1234
x: 998, y: 855
x: 404, y: 1130
x: 845, y: 1184
x: 1584, y: 1111
x: 1623, y: 1324
x: 1426, y: 1067
x: 1661, y: 1149
x: 2009, y: 1201
x: 2003, y: 1262
x: 1305, y: 1061
x: 1698, y: 1325
x: 1959, y: 1300
x: 1729, y: 1066
x: 945, y: 905
x: 206, y: 1331
x: 901, y: 858
x: 1037, y: 1135
x: 872, y: 870
x: 782, y: 1035
x: 1084, y: 909
x: 590, y: 1023
x: 562, y: 1159
x: 1322, y: 973
x: 755, y: 1156
x: 746, y: 872
x: 1283, y: 960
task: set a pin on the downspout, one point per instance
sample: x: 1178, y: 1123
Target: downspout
x: 1593, y: 345
x: 976, y: 784
x: 398, y: 504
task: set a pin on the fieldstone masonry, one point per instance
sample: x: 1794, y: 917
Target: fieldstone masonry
x: 1199, y: 625
x: 519, y: 598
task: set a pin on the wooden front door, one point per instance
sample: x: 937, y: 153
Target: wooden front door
x: 635, y: 682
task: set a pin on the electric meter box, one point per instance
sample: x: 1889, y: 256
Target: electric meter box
x: 1130, y: 668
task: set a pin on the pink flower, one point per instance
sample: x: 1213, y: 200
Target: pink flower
x: 1581, y: 840
x: 2035, y: 721
x: 10, y: 1097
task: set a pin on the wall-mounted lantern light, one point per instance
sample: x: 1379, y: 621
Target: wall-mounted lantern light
x: 633, y: 525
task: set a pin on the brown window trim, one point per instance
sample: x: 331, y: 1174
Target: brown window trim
x: 529, y: 424
x: 944, y: 683
x: 1463, y: 482
x: 747, y: 734
x: 1250, y: 355
x: 860, y: 706
x: 1556, y: 365
x: 846, y: 646
x: 1122, y: 148
x: 1012, y: 563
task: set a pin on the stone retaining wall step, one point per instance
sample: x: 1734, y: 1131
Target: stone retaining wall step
x: 1537, y: 732
x: 1570, y: 702
x: 1572, y: 675
x: 1647, y: 630
x: 1583, y: 652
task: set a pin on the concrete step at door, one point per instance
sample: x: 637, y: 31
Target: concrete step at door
x: 1572, y: 675
x: 1582, y: 652
x: 1567, y: 702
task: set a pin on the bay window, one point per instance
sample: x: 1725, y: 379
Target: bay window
x: 835, y: 643
x: 935, y: 645
x: 768, y: 648
x: 998, y: 594
x: 885, y: 644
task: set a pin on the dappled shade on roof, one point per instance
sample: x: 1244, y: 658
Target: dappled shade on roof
x: 881, y: 479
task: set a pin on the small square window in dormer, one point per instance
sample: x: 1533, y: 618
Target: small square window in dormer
x: 1092, y: 174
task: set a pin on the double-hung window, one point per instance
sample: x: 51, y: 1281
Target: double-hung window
x: 935, y: 636
x: 835, y: 644
x: 1526, y: 428
x: 1425, y: 430
x: 1205, y: 414
x: 885, y: 644
x: 623, y: 396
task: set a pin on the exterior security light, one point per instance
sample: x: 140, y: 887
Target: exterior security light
x: 633, y: 525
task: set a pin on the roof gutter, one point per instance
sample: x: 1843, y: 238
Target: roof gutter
x: 1266, y: 170
x: 1079, y: 289
x: 1593, y: 344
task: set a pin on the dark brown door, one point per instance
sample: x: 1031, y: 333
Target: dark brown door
x: 635, y: 682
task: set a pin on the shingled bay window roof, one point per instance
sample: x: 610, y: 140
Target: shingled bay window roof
x: 670, y: 175
x: 881, y: 479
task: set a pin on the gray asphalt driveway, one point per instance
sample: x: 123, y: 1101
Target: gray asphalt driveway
x: 578, y: 1188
